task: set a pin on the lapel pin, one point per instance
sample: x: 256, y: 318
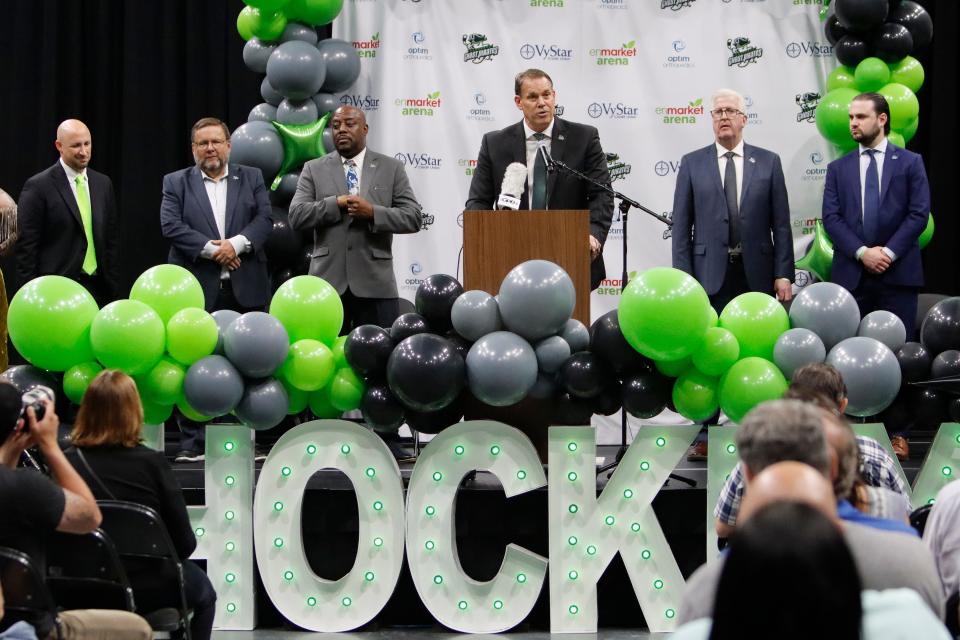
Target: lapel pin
x: 560, y: 137
x: 893, y: 157
x: 752, y: 160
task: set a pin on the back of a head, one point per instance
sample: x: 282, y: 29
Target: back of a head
x: 110, y: 413
x: 820, y: 378
x: 780, y: 430
x: 789, y: 574
x: 10, y: 406
x: 789, y: 482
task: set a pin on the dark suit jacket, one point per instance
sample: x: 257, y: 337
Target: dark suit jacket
x: 576, y: 145
x: 52, y: 241
x: 701, y: 220
x: 186, y: 219
x: 904, y: 207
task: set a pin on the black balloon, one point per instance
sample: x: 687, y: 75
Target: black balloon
x: 367, y: 349
x: 436, y: 421
x: 954, y: 410
x: 916, y: 19
x: 571, y: 411
x: 425, y: 372
x: 915, y: 362
x: 946, y: 364
x: 409, y: 324
x: 607, y: 342
x: 833, y: 29
x: 285, y: 191
x: 928, y: 407
x: 278, y: 277
x: 462, y: 344
x: 861, y: 15
x: 25, y: 377
x: 284, y: 246
x: 435, y: 298
x: 609, y: 401
x: 381, y: 409
x: 892, y: 42
x: 645, y: 395
x: 584, y: 375
x: 940, y: 330
x: 851, y: 50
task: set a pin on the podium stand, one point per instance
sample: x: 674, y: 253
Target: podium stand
x: 494, y: 242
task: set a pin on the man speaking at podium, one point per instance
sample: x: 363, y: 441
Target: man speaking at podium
x: 576, y: 145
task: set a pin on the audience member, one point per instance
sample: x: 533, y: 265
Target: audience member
x: 942, y: 536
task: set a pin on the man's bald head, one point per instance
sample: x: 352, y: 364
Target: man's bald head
x: 789, y: 482
x: 74, y: 144
x: 6, y: 202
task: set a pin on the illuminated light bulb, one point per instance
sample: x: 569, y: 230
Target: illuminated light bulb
x: 311, y: 449
x: 573, y: 575
x: 438, y: 579
x: 430, y: 545
x: 931, y: 500
x: 572, y: 476
x: 345, y: 449
x: 521, y: 578
x: 635, y: 527
x: 230, y: 546
x: 231, y: 607
x: 958, y: 438
x: 670, y: 613
x: 430, y: 511
x: 498, y: 604
x: 437, y: 476
x: 731, y: 448
x: 572, y: 540
x: 658, y: 584
x: 286, y: 471
x: 462, y: 605
x: 661, y: 441
x: 347, y: 601
x: 573, y: 508
x: 459, y: 450
x: 628, y: 493
x: 377, y: 506
x: 229, y: 481
x: 591, y: 550
x: 609, y: 520
x: 946, y: 471
x: 278, y: 506
x: 521, y: 474
x: 571, y: 446
x: 645, y: 554
x: 371, y: 472
x: 368, y: 576
x: 495, y: 450
x: 288, y: 575
x: 311, y: 601
x: 378, y: 542
x: 230, y: 577
x: 278, y: 542
x: 229, y: 515
x: 573, y: 609
x: 199, y: 531
x: 228, y: 446
x: 644, y: 466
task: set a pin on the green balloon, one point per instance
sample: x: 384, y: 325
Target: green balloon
x: 909, y: 129
x: 714, y: 317
x: 168, y: 288
x: 77, y: 378
x: 673, y: 368
x: 128, y: 335
x: 819, y: 256
x: 908, y: 72
x: 833, y: 116
x: 301, y: 142
x: 267, y: 6
x: 157, y: 413
x: 664, y: 313
x: 339, y: 356
x: 695, y: 396
x: 927, y: 234
x: 756, y: 320
x: 346, y: 390
x: 314, y: 12
x: 903, y: 102
x: 321, y: 405
x: 309, y: 365
x: 871, y: 74
x: 841, y: 78
x: 267, y: 26
x: 190, y: 413
x: 896, y: 139
x: 297, y: 398
x: 49, y: 322
x: 748, y: 383
x: 191, y: 334
x: 163, y: 384
x: 245, y: 22
x: 718, y: 352
x: 308, y: 307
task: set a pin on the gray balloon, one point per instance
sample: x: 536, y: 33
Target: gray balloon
x: 297, y: 111
x: 795, y: 348
x: 296, y: 70
x: 327, y: 138
x: 551, y: 353
x: 257, y: 343
x: 885, y: 327
x: 501, y: 368
x: 544, y: 387
x: 257, y: 144
x: 576, y: 335
x: 223, y: 318
x: 536, y: 299
x: 264, y: 112
x: 828, y: 310
x: 342, y: 64
x: 255, y: 54
x: 326, y: 103
x: 264, y: 404
x: 269, y: 94
x: 870, y: 372
x: 297, y: 31
x: 475, y: 314
x: 213, y: 386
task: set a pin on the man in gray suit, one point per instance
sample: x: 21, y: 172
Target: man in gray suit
x: 354, y: 201
x: 731, y: 218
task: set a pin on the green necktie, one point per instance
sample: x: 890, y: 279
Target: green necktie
x: 83, y: 201
x: 539, y: 177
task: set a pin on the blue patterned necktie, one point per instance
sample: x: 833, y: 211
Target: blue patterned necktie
x: 871, y: 200
x: 353, y: 180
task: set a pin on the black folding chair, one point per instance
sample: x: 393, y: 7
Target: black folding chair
x: 85, y: 572
x: 25, y: 594
x: 918, y: 519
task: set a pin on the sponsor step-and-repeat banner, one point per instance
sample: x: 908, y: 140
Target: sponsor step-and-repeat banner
x: 438, y: 74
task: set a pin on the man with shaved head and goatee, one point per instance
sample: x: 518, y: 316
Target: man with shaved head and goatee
x: 68, y: 220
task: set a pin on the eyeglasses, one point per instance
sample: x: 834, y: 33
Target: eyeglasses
x: 209, y: 143
x: 725, y: 112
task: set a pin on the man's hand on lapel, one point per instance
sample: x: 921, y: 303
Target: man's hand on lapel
x: 359, y: 207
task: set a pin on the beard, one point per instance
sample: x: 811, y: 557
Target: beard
x: 867, y: 138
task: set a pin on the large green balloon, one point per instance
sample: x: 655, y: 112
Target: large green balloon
x: 245, y: 20
x: 128, y: 335
x: 157, y: 413
x: 309, y: 365
x: 818, y: 259
x: 339, y: 355
x: 314, y: 12
x: 163, y: 384
x: 308, y: 307
x: 896, y: 139
x: 191, y: 334
x: 718, y: 352
x: 748, y: 383
x: 927, y: 234
x: 77, y: 378
x: 346, y: 390
x: 673, y: 368
x: 695, y: 396
x: 664, y: 313
x: 321, y: 405
x: 903, y: 102
x: 833, y: 117
x: 297, y: 398
x: 267, y: 6
x: 909, y: 129
x: 267, y: 26
x: 756, y: 320
x: 908, y: 72
x: 871, y: 74
x: 168, y: 288
x: 49, y: 321
x: 841, y: 78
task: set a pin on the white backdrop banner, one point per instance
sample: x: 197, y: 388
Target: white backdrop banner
x: 438, y: 74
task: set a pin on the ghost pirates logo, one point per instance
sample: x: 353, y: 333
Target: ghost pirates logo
x: 742, y: 52
x: 478, y: 49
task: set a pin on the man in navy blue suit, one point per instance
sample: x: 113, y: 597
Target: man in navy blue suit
x: 731, y: 217
x: 875, y: 206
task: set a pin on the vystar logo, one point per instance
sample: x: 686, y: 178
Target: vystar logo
x: 616, y: 56
x: 419, y: 106
x: 618, y: 168
x: 478, y: 49
x: 419, y: 160
x: 469, y: 165
x: 417, y: 51
x: 681, y: 114
x: 612, y: 110
x: 552, y: 52
x: 665, y: 167
x: 677, y: 59
x: 613, y: 286
x: 479, y: 111
x: 808, y: 106
x: 675, y: 5
x: 364, y: 103
x: 809, y: 49
x: 368, y: 48
x: 742, y: 52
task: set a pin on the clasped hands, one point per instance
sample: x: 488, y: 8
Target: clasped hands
x: 355, y: 206
x: 226, y: 255
x: 875, y: 260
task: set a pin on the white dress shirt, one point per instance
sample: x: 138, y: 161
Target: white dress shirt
x: 532, y: 145
x: 358, y: 159
x: 217, y: 194
x: 72, y: 178
x: 880, y: 155
x: 737, y: 163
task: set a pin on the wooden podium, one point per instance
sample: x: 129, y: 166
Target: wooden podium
x: 494, y: 242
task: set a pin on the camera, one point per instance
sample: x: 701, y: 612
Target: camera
x: 35, y: 398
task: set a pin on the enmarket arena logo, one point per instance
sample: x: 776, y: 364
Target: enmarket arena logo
x: 742, y: 52
x: 676, y: 5
x: 478, y: 49
x: 419, y: 160
x: 618, y: 168
x: 418, y: 50
x: 681, y: 114
x: 616, y: 56
x: 469, y: 165
x: 368, y: 48
x: 424, y: 107
x: 362, y: 102
x: 478, y: 110
x: 809, y: 49
x: 677, y: 59
x: 808, y: 106
x: 612, y: 110
x: 546, y: 3
x: 665, y: 168
x: 550, y: 52
x: 613, y: 286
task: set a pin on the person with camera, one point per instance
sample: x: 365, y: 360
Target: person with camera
x: 33, y: 506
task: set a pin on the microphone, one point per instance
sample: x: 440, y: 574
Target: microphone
x: 547, y: 158
x: 514, y: 179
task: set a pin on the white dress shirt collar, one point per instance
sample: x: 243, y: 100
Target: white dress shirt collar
x: 358, y: 160
x: 71, y: 173
x: 882, y: 147
x: 721, y: 150
x: 223, y: 176
x: 528, y: 132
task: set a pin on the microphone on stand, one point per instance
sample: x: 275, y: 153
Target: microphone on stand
x: 547, y: 158
x: 514, y: 179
